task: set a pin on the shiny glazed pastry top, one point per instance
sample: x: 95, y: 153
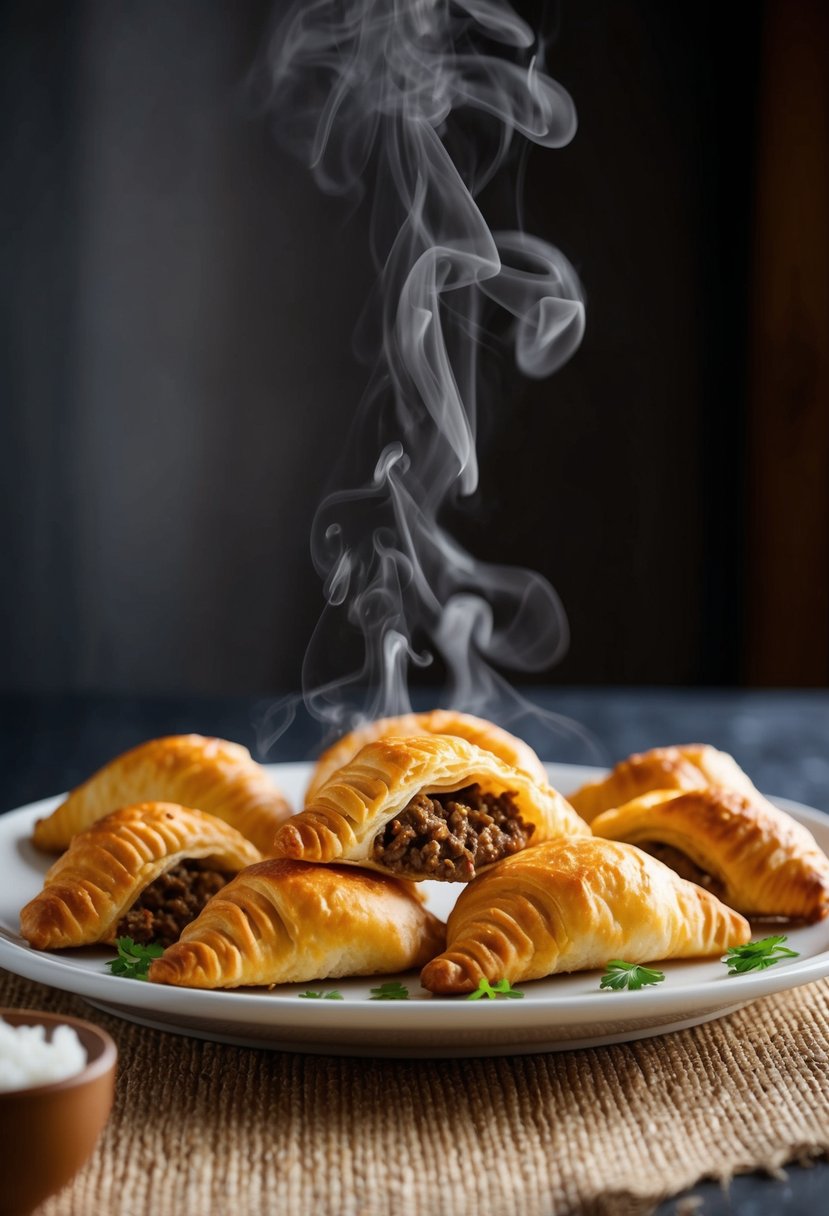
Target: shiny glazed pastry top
x: 285, y: 922
x: 483, y: 734
x: 210, y: 774
x: 94, y: 891
x: 432, y: 806
x: 572, y: 905
x: 752, y: 855
x: 691, y: 766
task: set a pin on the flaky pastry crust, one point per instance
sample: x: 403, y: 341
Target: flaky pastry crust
x: 687, y: 767
x: 573, y: 905
x: 107, y: 867
x: 212, y: 774
x: 760, y: 860
x: 287, y: 922
x: 358, y: 800
x: 483, y: 734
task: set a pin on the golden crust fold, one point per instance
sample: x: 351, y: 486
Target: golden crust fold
x: 288, y: 922
x: 360, y: 798
x: 107, y: 867
x: 484, y: 734
x: 690, y: 766
x: 763, y: 862
x: 213, y: 775
x: 572, y: 905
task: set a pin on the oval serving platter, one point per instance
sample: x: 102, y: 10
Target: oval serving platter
x: 563, y: 1012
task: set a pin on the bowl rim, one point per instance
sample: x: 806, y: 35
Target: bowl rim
x: 103, y: 1062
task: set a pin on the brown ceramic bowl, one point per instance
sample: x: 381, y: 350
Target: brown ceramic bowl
x: 48, y: 1131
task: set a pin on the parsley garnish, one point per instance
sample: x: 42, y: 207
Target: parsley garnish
x: 619, y: 975
x: 493, y: 991
x: 333, y: 995
x: 133, y: 960
x: 756, y: 956
x: 391, y: 991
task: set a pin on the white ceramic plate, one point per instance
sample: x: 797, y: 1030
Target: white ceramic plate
x: 562, y: 1012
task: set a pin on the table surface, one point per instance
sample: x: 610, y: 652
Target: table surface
x: 48, y: 744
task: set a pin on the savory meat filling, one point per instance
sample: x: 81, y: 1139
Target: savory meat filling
x: 171, y: 902
x: 683, y: 865
x: 448, y: 836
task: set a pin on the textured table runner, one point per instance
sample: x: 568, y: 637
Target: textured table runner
x: 203, y: 1128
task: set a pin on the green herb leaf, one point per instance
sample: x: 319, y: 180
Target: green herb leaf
x: 493, y: 991
x: 391, y: 991
x: 756, y: 956
x: 619, y: 974
x: 133, y: 960
x: 333, y: 995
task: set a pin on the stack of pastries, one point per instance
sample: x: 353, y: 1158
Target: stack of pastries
x: 187, y: 843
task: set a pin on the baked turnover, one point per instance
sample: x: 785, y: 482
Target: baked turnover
x: 141, y: 872
x: 688, y: 767
x: 752, y: 855
x: 572, y: 905
x: 211, y: 774
x: 432, y: 806
x: 286, y: 922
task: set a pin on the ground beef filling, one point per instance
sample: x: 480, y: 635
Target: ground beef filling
x: 170, y: 903
x: 682, y: 864
x: 448, y: 836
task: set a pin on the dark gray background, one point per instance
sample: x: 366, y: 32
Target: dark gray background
x: 177, y: 378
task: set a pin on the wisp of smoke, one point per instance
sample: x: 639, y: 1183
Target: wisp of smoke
x: 400, y: 94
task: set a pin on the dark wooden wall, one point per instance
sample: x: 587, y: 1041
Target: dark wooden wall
x: 787, y: 587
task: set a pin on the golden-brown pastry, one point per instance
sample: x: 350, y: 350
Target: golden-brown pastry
x: 284, y: 922
x: 479, y: 731
x: 140, y: 872
x: 573, y: 905
x: 432, y: 806
x: 689, y: 767
x: 211, y: 774
x: 753, y: 856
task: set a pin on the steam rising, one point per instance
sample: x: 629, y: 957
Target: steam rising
x: 420, y: 102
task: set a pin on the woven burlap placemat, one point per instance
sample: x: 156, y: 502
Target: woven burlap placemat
x: 200, y: 1128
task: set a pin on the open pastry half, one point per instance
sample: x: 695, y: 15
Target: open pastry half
x: 141, y: 872
x: 752, y: 855
x: 432, y: 806
x: 211, y: 774
x: 573, y: 905
x: 482, y: 733
x: 285, y: 922
x: 687, y: 767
